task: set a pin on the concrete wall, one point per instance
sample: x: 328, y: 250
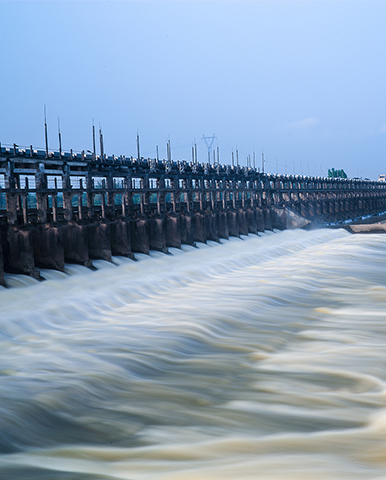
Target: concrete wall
x: 24, y: 249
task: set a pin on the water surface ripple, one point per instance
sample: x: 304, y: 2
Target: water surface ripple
x: 260, y: 358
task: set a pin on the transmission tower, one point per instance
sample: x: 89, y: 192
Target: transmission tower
x: 209, y: 142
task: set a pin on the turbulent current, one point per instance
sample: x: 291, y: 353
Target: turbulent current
x: 260, y: 358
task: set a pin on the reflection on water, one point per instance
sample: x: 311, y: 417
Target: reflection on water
x: 261, y: 358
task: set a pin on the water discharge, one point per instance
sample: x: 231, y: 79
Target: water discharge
x: 261, y: 358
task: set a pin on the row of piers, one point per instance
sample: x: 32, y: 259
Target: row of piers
x: 57, y: 209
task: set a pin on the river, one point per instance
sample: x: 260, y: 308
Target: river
x: 260, y: 358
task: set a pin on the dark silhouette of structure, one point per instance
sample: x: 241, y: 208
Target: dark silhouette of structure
x: 58, y: 207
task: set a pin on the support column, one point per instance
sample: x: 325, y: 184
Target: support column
x: 11, y: 197
x: 41, y: 197
x: 67, y: 194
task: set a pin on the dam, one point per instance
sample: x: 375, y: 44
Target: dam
x: 262, y: 353
x: 74, y: 207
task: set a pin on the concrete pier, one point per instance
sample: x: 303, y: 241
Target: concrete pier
x: 99, y: 241
x: 48, y: 248
x: 139, y: 233
x: 120, y: 238
x: 18, y: 251
x: 75, y: 243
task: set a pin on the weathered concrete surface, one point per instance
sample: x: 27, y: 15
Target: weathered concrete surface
x: 157, y: 234
x: 223, y: 230
x: 367, y: 228
x: 99, y: 241
x: 187, y: 229
x: 294, y: 220
x: 251, y: 220
x: 139, y: 232
x: 211, y: 226
x: 243, y: 223
x: 120, y: 238
x: 173, y: 231
x: 48, y: 249
x: 75, y: 244
x: 233, y: 224
x: 279, y: 218
x: 260, y: 220
x: 18, y: 254
x: 267, y: 219
x: 198, y: 221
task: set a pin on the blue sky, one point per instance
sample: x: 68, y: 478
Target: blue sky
x: 302, y: 81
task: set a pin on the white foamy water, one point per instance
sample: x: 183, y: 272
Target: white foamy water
x: 261, y: 358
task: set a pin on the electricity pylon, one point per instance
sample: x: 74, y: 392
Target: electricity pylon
x: 209, y: 142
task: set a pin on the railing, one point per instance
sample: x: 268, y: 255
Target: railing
x: 38, y: 186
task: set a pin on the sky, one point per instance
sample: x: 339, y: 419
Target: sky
x: 301, y: 81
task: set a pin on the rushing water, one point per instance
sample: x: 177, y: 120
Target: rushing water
x: 261, y: 358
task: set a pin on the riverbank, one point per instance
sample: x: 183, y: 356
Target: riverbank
x: 371, y: 224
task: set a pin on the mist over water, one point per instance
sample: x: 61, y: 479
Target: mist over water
x: 262, y: 357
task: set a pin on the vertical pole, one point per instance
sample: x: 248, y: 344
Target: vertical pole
x: 103, y: 201
x: 192, y: 154
x: 54, y: 208
x: 201, y: 194
x: 101, y: 144
x: 157, y: 153
x: 188, y: 187
x: 218, y: 155
x: 123, y: 198
x: 93, y: 141
x: 45, y: 131
x: 262, y: 162
x: 55, y: 203
x: 237, y: 157
x: 254, y: 161
x: 195, y: 151
x: 142, y: 197
x: 158, y: 197
x: 80, y: 195
x: 175, y: 185
x: 41, y: 197
x: 214, y: 157
x: 138, y: 153
x: 60, y: 139
x: 25, y: 204
x: 233, y: 159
